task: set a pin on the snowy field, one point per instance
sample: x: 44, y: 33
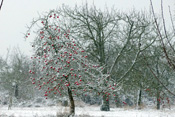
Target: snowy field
x: 91, y: 111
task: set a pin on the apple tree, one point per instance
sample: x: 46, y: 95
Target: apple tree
x: 60, y: 65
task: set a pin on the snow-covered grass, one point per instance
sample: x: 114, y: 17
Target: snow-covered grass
x: 90, y: 111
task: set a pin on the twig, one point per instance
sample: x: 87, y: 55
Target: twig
x: 164, y: 26
x: 172, y: 21
x: 1, y: 4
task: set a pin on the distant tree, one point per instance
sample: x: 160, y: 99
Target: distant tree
x: 14, y: 74
x: 3, y: 68
x: 138, y: 35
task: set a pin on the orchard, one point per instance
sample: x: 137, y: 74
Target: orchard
x: 60, y: 65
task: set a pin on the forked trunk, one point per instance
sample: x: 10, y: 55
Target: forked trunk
x: 72, y: 105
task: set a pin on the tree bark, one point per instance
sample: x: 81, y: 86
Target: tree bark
x: 72, y: 105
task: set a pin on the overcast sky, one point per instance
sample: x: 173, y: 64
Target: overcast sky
x: 16, y: 14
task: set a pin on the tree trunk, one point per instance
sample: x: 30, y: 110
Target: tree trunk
x: 158, y: 85
x: 117, y: 101
x: 10, y: 102
x: 72, y: 105
x: 16, y: 90
x: 105, y: 104
x: 140, y: 99
x: 105, y: 101
x: 158, y: 99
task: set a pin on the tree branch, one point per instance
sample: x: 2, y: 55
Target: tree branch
x: 164, y: 26
x: 158, y: 78
x: 1, y: 4
x: 161, y: 38
x: 116, y: 60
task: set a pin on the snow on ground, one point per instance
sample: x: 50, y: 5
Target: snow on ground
x: 89, y: 110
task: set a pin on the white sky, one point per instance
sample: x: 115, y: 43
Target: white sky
x: 15, y: 15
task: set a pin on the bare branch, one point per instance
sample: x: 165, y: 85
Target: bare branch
x: 172, y: 21
x: 164, y: 26
x: 1, y: 4
x: 117, y: 58
x: 158, y: 79
x: 161, y: 38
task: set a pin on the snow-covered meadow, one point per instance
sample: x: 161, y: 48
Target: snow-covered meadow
x: 89, y: 111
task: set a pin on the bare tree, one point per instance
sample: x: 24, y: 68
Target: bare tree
x: 14, y: 75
